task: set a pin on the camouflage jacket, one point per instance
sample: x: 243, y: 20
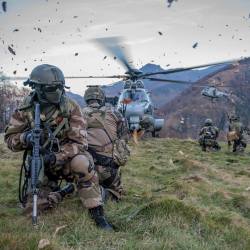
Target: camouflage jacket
x: 237, y: 127
x: 72, y: 137
x: 104, y: 126
x: 209, y: 132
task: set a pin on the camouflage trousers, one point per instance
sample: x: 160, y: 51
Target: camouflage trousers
x: 81, y: 170
x: 209, y: 144
x: 238, y: 145
x: 110, y: 180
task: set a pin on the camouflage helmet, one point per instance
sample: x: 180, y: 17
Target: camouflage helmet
x: 48, y: 82
x: 208, y: 122
x: 45, y: 74
x: 94, y: 92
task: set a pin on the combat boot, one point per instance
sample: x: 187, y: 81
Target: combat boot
x: 97, y: 214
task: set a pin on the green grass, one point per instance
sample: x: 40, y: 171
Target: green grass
x: 177, y: 198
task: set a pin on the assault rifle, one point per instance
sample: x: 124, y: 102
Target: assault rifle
x: 36, y: 163
x: 32, y: 169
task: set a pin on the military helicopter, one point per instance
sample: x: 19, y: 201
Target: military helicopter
x: 134, y: 101
x: 213, y: 93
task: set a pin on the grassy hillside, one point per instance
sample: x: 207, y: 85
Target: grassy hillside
x: 177, y: 198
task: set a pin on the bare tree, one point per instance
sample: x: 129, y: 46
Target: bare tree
x: 11, y: 97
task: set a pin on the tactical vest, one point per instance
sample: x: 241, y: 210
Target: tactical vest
x: 209, y: 132
x: 55, y: 122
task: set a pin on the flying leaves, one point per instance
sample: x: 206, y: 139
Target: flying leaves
x: 195, y: 45
x: 170, y: 2
x: 4, y: 6
x: 11, y: 50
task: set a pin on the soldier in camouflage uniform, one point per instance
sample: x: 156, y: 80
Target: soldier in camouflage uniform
x: 65, y: 156
x: 235, y: 134
x: 106, y: 133
x: 208, y: 136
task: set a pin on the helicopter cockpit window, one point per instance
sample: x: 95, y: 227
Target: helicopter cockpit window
x: 135, y: 96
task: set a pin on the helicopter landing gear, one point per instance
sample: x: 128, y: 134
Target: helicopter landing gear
x: 154, y: 134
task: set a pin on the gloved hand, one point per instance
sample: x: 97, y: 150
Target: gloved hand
x: 49, y: 158
x: 27, y: 138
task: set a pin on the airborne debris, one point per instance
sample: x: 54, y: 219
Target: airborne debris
x: 11, y: 51
x: 160, y: 33
x: 39, y: 29
x: 76, y: 54
x: 104, y: 57
x: 4, y: 6
x: 14, y: 72
x: 195, y: 45
x: 75, y: 16
x: 170, y: 2
x: 15, y: 30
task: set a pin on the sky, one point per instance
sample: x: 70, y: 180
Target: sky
x: 153, y: 33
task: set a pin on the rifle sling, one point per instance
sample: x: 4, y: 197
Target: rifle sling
x: 56, y: 131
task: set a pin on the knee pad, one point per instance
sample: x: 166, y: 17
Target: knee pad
x: 82, y: 167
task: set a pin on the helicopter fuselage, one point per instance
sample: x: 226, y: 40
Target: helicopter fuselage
x: 213, y: 93
x: 136, y: 106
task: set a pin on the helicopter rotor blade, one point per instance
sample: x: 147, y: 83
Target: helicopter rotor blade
x: 170, y: 71
x: 14, y: 78
x: 19, y: 78
x: 168, y: 80
x: 114, y: 46
x: 98, y: 77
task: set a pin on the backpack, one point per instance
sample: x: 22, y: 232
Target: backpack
x: 96, y: 118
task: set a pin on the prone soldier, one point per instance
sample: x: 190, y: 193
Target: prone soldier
x: 63, y: 143
x: 208, y: 136
x: 107, y: 140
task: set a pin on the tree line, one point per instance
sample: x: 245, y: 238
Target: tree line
x: 11, y: 97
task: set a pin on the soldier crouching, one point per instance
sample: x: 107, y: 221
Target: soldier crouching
x: 107, y: 134
x: 63, y: 143
x: 208, y: 136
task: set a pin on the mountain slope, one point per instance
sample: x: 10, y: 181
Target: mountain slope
x: 193, y: 108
